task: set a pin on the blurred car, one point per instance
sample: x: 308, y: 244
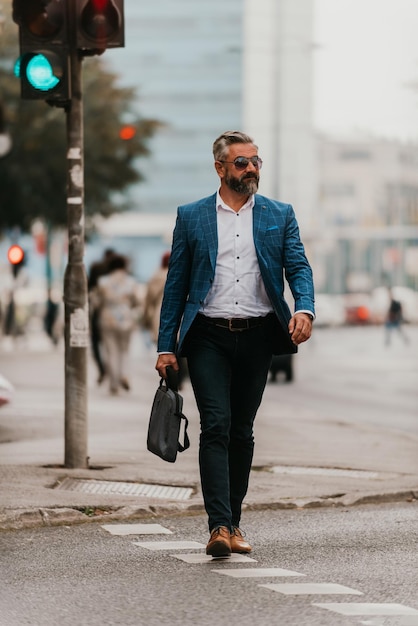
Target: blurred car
x: 380, y: 300
x: 329, y: 310
x: 357, y: 308
x: 6, y: 391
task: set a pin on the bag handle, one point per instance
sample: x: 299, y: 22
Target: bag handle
x: 186, y: 441
x: 172, y: 379
x: 171, y: 382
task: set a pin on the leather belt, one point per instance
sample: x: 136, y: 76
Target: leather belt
x: 235, y: 324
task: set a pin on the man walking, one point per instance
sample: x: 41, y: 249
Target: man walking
x: 224, y: 293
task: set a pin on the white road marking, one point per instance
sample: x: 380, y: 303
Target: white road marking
x: 409, y: 620
x: 136, y: 529
x: 299, y: 589
x: 367, y: 608
x: 169, y: 545
x: 203, y: 558
x: 407, y: 616
x: 257, y: 572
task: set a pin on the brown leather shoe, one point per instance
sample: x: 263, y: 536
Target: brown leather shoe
x: 238, y: 543
x: 219, y: 542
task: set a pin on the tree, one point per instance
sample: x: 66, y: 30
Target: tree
x: 33, y: 174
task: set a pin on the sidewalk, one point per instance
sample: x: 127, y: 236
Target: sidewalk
x: 307, y: 453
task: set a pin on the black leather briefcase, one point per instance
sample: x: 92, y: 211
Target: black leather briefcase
x: 165, y: 424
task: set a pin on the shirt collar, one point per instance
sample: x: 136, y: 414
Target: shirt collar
x: 220, y: 204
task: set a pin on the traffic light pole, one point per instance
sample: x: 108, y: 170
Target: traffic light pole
x: 75, y: 282
x: 54, y: 36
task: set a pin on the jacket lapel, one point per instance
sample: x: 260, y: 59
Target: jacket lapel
x: 209, y: 226
x: 260, y: 221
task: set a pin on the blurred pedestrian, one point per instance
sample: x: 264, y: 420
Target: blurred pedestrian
x: 394, y: 320
x: 154, y: 298
x: 152, y: 310
x: 118, y: 302
x: 53, y: 318
x: 97, y: 269
x: 224, y: 291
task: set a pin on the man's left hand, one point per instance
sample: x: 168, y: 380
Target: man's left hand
x: 300, y: 328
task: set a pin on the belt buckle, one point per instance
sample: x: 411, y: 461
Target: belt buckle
x: 236, y: 330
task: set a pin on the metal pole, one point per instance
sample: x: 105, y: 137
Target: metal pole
x: 75, y: 282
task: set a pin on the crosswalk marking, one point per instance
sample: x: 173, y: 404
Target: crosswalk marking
x: 136, y: 529
x: 299, y: 589
x: 406, y: 616
x: 169, y: 545
x: 367, y: 608
x: 257, y: 572
x: 405, y: 620
x: 203, y: 558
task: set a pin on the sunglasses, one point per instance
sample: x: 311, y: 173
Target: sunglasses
x: 241, y: 163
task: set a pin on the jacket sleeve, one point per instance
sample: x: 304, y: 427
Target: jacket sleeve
x: 298, y: 271
x: 176, y: 288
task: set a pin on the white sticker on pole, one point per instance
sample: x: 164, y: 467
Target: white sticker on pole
x: 76, y: 174
x: 79, y: 328
x: 74, y: 153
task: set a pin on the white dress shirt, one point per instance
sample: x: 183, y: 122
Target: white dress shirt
x: 237, y: 289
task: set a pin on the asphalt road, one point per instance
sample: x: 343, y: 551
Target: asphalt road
x: 343, y: 373
x: 352, y: 405
x: 350, y: 371
x: 88, y: 576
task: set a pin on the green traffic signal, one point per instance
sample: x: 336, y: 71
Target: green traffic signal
x: 40, y: 73
x: 44, y: 63
x: 16, y: 69
x: 43, y: 70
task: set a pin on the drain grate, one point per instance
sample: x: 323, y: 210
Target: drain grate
x: 117, y: 488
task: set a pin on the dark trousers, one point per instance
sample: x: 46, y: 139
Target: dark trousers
x: 96, y: 338
x: 228, y: 371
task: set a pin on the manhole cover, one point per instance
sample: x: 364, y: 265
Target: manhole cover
x: 323, y: 471
x: 117, y: 488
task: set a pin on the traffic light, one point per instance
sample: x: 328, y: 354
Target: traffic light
x: 127, y: 132
x: 44, y: 63
x: 16, y: 257
x: 99, y: 25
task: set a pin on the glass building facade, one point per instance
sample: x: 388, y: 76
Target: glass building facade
x: 185, y: 59
x: 204, y: 67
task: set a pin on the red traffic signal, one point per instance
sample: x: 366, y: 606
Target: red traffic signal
x: 15, y: 255
x: 99, y: 25
x: 127, y: 132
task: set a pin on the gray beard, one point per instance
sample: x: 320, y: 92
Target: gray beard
x: 245, y: 187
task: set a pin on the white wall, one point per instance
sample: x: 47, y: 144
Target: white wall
x: 278, y: 99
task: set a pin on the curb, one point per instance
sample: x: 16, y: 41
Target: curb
x: 21, y: 519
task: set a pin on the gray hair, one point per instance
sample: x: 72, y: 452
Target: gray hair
x: 222, y: 143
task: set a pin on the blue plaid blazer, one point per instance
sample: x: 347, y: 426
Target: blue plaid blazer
x: 191, y: 270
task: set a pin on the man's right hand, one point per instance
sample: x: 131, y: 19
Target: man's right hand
x: 164, y: 361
